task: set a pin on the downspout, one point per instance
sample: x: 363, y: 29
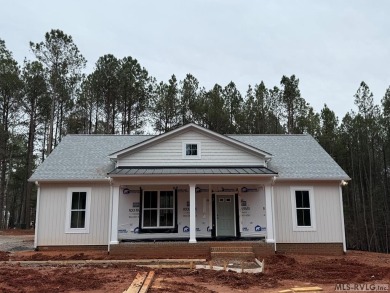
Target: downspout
x: 110, y: 216
x: 273, y: 208
x: 37, y: 215
x: 342, y: 183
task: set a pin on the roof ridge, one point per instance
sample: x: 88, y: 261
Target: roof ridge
x: 268, y: 134
x: 116, y: 135
x: 229, y: 134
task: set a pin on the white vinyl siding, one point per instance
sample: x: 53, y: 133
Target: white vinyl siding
x: 327, y: 214
x: 52, y: 216
x: 170, y: 153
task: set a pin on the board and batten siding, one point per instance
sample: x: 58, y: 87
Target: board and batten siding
x: 327, y: 211
x: 52, y: 215
x: 170, y: 153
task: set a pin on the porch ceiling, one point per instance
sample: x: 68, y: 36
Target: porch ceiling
x: 215, y: 170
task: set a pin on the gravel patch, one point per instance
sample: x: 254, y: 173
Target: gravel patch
x: 16, y: 242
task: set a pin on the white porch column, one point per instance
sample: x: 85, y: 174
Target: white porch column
x: 192, y: 214
x: 269, y: 212
x: 114, y: 215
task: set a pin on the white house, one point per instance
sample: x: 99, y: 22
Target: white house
x: 190, y: 185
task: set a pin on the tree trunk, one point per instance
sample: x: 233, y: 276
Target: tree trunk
x: 364, y: 208
x: 29, y: 162
x: 3, y: 159
x: 51, y: 126
x: 61, y: 121
x: 2, y: 191
x: 44, y: 141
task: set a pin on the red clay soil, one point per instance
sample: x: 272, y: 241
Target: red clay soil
x: 4, y: 255
x: 55, y: 255
x: 63, y: 279
x: 326, y: 271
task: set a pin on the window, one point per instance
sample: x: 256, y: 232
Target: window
x: 158, y: 209
x: 302, y: 204
x: 78, y: 209
x: 191, y: 150
x: 302, y: 201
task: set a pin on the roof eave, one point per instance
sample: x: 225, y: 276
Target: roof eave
x: 345, y: 178
x: 62, y: 180
x: 190, y: 175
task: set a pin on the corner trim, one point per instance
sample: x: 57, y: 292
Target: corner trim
x: 342, y: 219
x: 37, y: 215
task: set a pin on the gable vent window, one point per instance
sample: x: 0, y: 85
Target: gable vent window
x: 191, y: 150
x: 303, y: 209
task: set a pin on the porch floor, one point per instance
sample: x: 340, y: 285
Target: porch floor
x: 200, y: 239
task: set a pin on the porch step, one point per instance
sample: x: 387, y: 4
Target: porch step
x: 232, y: 252
x: 231, y: 249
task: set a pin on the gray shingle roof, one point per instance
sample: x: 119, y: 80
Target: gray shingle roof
x: 80, y: 157
x: 85, y: 157
x: 296, y: 156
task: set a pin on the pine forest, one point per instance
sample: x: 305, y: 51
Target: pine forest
x: 44, y: 99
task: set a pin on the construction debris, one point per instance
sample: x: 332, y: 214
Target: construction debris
x: 103, y: 262
x: 148, y: 282
x: 225, y: 267
x: 141, y: 283
x: 302, y: 289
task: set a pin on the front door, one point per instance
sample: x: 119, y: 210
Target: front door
x: 225, y: 215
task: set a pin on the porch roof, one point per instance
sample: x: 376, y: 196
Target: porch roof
x: 190, y: 170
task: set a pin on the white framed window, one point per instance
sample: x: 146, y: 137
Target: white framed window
x: 303, y: 208
x: 78, y: 207
x: 158, y: 209
x: 191, y: 150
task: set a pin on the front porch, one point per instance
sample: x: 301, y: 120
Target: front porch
x: 155, y: 210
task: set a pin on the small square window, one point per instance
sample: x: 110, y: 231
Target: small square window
x: 191, y: 150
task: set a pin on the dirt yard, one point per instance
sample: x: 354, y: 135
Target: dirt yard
x: 281, y: 272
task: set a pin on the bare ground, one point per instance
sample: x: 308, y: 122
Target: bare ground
x: 281, y: 272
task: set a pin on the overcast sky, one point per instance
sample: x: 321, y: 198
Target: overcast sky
x: 331, y: 46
